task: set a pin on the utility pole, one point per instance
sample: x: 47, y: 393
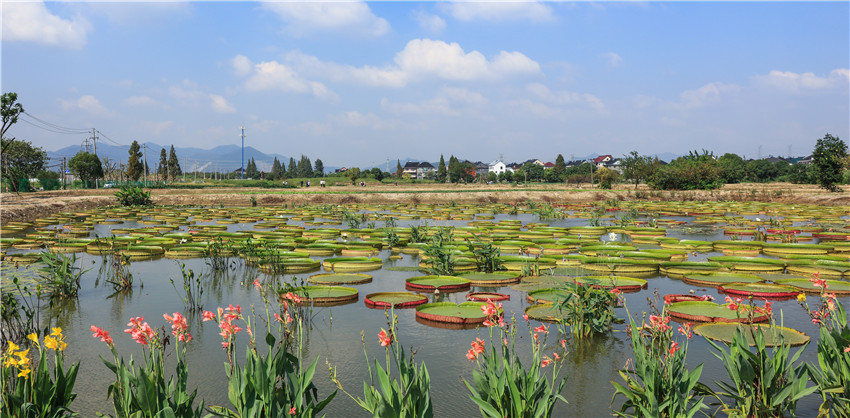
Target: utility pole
x: 145, y: 168
x: 242, y: 167
x: 94, y: 140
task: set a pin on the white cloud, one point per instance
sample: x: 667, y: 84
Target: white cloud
x: 156, y: 128
x: 241, y: 65
x: 448, y: 101
x: 273, y: 75
x: 304, y: 18
x: 565, y: 97
x: 359, y: 120
x: 707, y: 94
x: 794, y: 82
x: 32, y: 22
x: 186, y: 90
x: 431, y: 23
x: 265, y: 126
x: 423, y: 59
x: 221, y: 105
x: 614, y: 59
x: 497, y: 11
x: 140, y: 101
x: 88, y: 104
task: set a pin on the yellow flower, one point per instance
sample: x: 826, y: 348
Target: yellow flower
x: 57, y: 332
x: 12, y: 348
x: 22, y: 357
x: 9, y: 362
x: 25, y: 373
x: 33, y: 337
x: 51, y: 343
x: 801, y: 297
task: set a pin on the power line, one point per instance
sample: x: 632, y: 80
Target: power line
x: 53, y: 130
x: 110, y: 139
x: 55, y: 126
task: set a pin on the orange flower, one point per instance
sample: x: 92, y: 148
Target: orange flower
x: 102, y: 334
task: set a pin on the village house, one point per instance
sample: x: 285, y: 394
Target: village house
x: 417, y: 170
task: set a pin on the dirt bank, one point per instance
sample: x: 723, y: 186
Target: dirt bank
x: 28, y: 206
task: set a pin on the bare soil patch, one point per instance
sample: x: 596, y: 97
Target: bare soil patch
x: 29, y: 206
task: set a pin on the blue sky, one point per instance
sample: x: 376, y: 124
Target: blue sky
x: 357, y: 83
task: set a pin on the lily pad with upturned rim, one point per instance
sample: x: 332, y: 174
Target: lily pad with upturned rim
x: 324, y: 295
x: 498, y: 278
x: 759, y: 290
x: 839, y: 287
x: 706, y: 311
x: 464, y: 313
x: 719, y: 278
x: 432, y: 283
x: 546, y: 313
x: 383, y: 300
x: 339, y: 278
x: 487, y: 296
x: 725, y: 333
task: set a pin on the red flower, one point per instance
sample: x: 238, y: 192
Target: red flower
x: 545, y: 362
x: 674, y: 347
x: 258, y: 285
x: 542, y: 329
x: 292, y: 411
x: 525, y: 316
x: 140, y: 331
x: 102, y: 334
x: 209, y: 316
x: 384, y: 339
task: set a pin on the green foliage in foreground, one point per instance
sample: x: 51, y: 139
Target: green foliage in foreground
x: 133, y: 196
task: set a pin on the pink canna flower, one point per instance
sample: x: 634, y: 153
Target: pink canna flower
x: 384, y: 338
x: 209, y: 316
x: 542, y: 329
x: 525, y: 316
x: 258, y: 285
x: 564, y: 343
x: 847, y: 349
x: 545, y: 362
x: 140, y: 331
x: 292, y: 411
x: 277, y: 316
x: 557, y: 357
x: 102, y: 334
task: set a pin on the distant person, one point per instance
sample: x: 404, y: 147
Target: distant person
x: 322, y: 183
x: 308, y: 183
x: 302, y: 183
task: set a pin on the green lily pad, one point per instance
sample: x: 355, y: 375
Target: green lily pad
x: 773, y: 335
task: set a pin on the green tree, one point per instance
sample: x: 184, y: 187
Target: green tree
x: 492, y: 177
x: 86, y: 166
x: 398, y: 170
x: 506, y: 175
x: 9, y: 110
x: 162, y: 168
x: 305, y: 167
x: 377, y: 173
x: 691, y: 172
x: 606, y: 177
x: 828, y: 160
x: 441, y: 170
x: 733, y: 168
x: 532, y: 172
x: 134, y: 163
x: 21, y: 160
x: 292, y: 170
x: 353, y: 174
x: 559, y: 171
x: 760, y: 171
x: 276, y: 169
x: 318, y: 168
x: 174, y: 170
x: 638, y: 167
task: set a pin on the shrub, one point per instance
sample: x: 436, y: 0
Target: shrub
x: 133, y: 196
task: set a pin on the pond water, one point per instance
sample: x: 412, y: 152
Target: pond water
x: 333, y: 334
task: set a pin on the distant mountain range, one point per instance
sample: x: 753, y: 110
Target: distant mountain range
x: 221, y: 158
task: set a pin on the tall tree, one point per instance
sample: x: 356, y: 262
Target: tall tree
x: 398, y: 170
x: 292, y: 170
x: 441, y: 170
x: 828, y: 160
x: 9, y: 110
x: 174, y: 170
x: 134, y: 163
x: 86, y: 166
x: 162, y: 169
x: 452, y: 169
x: 305, y: 167
x: 638, y: 167
x: 559, y: 171
x: 319, y: 168
x: 276, y: 169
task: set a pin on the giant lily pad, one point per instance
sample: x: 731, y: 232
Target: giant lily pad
x: 759, y: 290
x: 706, y: 311
x: 838, y: 287
x: 464, y: 313
x: 498, y: 278
x: 718, y: 278
x: 394, y: 299
x: 441, y: 283
x: 327, y: 295
x: 339, y: 278
x: 773, y: 335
